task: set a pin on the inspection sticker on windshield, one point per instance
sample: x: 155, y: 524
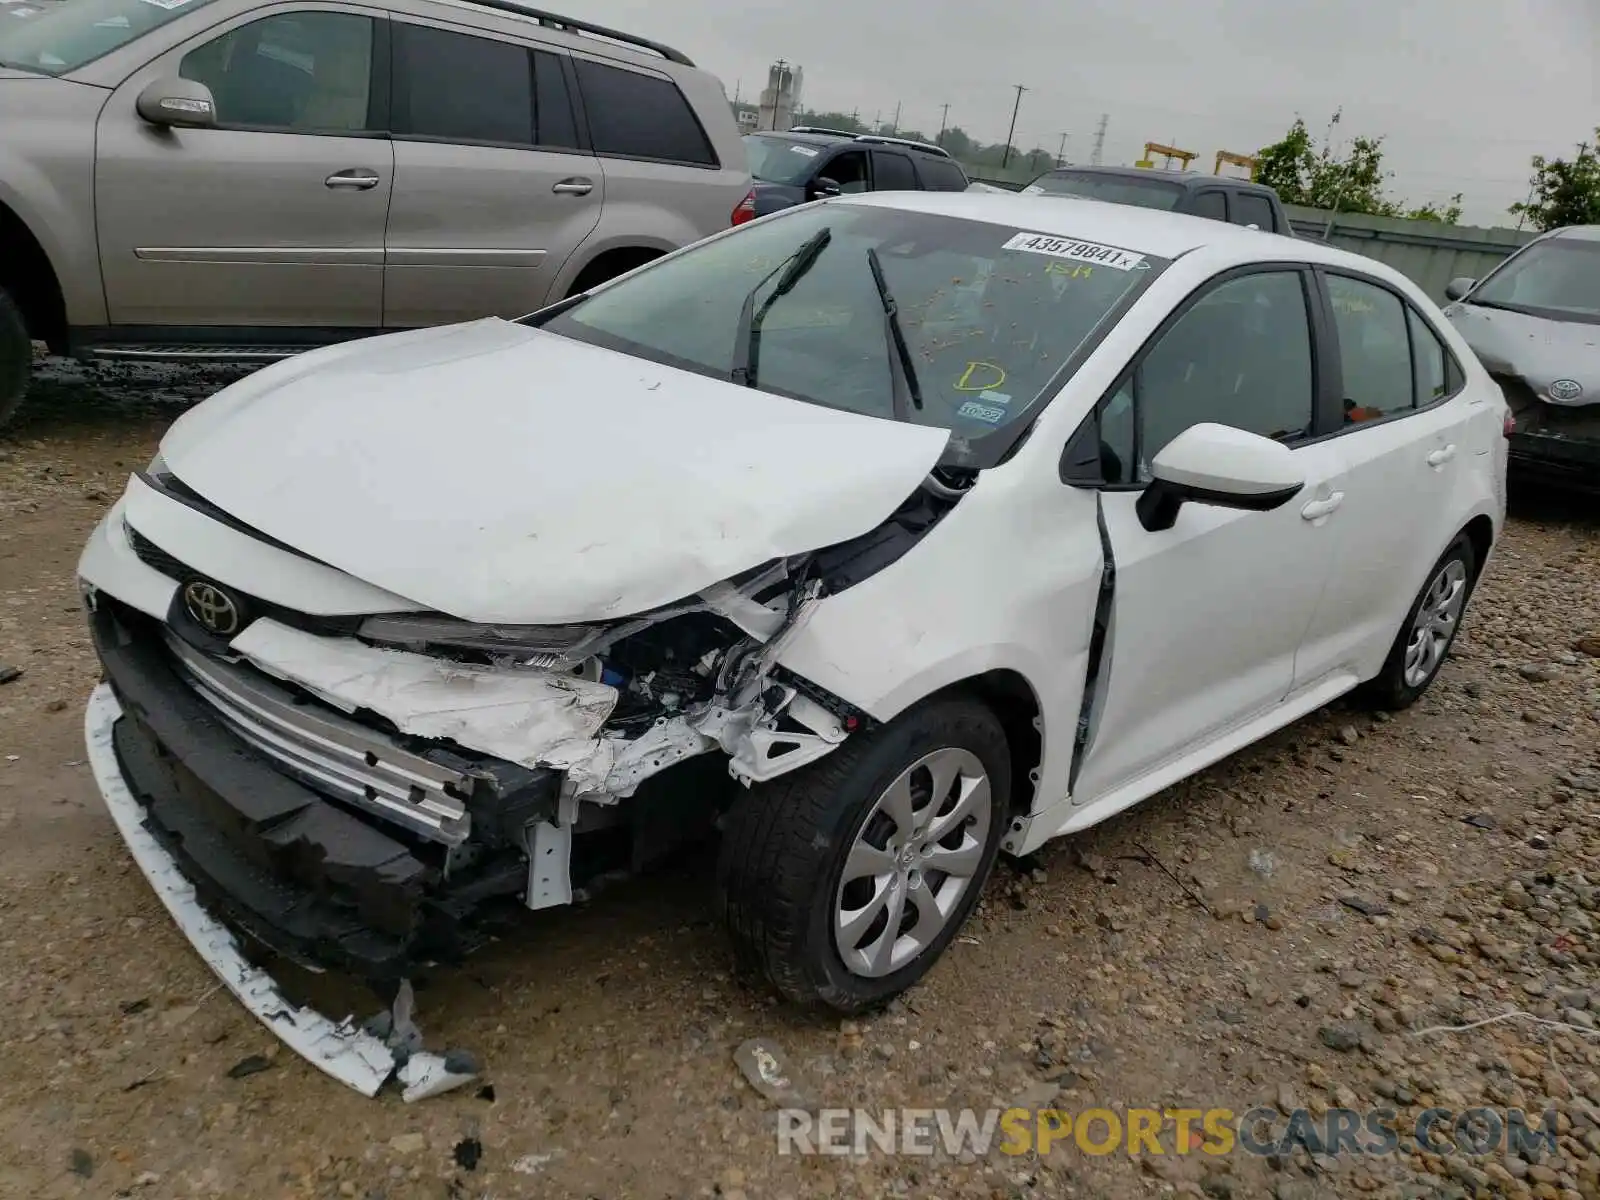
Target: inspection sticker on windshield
x: 987, y: 413
x: 1089, y: 252
x: 806, y: 151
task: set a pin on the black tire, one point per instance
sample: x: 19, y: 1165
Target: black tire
x: 785, y: 845
x: 1389, y: 689
x: 16, y: 358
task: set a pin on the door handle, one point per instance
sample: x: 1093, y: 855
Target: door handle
x: 575, y: 186
x: 355, y: 180
x: 1318, y: 509
x: 1439, y: 457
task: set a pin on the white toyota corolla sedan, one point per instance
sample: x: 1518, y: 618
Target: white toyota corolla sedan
x: 884, y: 534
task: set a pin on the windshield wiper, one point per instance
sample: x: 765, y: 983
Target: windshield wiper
x: 902, y: 368
x: 747, y: 341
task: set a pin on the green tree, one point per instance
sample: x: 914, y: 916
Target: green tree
x: 1450, y: 214
x: 1563, y: 192
x: 1303, y: 174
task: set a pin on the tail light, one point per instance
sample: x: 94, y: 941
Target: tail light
x: 745, y: 210
x: 1509, y: 425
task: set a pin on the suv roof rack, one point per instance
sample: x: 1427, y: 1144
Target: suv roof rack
x: 819, y: 129
x: 925, y: 147
x: 572, y: 25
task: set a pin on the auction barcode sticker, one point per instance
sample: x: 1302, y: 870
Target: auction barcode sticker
x: 1089, y: 252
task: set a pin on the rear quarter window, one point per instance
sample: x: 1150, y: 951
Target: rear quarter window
x: 640, y: 116
x: 941, y: 175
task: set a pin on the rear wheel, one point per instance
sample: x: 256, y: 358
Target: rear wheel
x: 16, y: 357
x: 1429, y: 629
x: 844, y: 882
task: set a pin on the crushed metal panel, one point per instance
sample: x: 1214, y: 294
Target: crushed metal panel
x: 338, y: 1048
x: 524, y: 716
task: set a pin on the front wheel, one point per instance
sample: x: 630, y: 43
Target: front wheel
x: 1429, y: 629
x: 844, y: 882
x: 16, y: 358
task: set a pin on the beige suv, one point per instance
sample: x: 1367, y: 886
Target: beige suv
x: 239, y: 180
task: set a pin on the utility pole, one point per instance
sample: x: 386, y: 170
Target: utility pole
x: 1099, y: 154
x: 1006, y: 156
x: 778, y: 90
x: 896, y: 127
x: 944, y: 117
x: 1061, y: 154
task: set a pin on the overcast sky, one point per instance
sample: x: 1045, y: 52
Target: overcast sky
x: 1465, y: 90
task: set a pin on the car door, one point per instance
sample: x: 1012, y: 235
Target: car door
x: 892, y: 172
x: 491, y: 193
x: 1404, y: 438
x: 1206, y: 617
x: 275, y: 217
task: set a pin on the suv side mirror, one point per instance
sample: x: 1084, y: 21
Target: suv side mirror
x: 822, y: 187
x: 1459, y: 287
x: 176, y: 102
x: 1216, y: 464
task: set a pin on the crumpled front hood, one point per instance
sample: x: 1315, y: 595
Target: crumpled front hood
x: 1533, y: 349
x: 499, y: 473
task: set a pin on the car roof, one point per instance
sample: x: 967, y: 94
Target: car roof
x: 1185, y: 179
x: 1130, y: 227
x: 1580, y: 233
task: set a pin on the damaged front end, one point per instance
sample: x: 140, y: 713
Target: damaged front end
x: 372, y: 794
x: 1555, y: 441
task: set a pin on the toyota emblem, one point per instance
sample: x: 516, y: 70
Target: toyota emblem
x: 1566, y: 389
x: 212, y: 608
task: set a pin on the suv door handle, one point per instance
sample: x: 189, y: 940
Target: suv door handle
x: 1318, y: 509
x: 1439, y: 457
x: 354, y: 179
x: 574, y: 186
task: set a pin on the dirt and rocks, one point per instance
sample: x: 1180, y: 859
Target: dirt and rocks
x: 1307, y: 926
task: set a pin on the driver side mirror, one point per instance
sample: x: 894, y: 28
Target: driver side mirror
x: 178, y: 103
x: 823, y: 187
x: 1458, y: 288
x: 1219, y: 465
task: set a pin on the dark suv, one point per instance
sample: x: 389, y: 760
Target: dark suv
x: 1237, y: 201
x: 807, y: 163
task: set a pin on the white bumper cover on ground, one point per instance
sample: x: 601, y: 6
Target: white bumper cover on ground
x: 340, y: 1048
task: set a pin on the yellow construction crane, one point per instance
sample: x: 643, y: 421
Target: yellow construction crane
x: 1234, y: 160
x: 1151, y: 149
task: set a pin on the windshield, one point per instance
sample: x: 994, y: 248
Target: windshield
x: 779, y: 160
x: 1558, y: 278
x: 1114, y: 189
x: 991, y: 315
x: 69, y: 33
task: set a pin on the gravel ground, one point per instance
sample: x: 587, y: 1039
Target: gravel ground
x: 1284, y: 929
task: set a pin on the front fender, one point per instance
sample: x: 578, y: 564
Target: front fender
x: 47, y: 181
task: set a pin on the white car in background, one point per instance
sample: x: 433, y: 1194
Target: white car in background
x: 944, y: 524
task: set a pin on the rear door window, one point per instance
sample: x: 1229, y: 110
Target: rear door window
x: 941, y: 174
x: 1374, y: 349
x: 457, y: 88
x: 1212, y: 205
x: 1250, y: 209
x: 640, y: 116
x: 892, y: 172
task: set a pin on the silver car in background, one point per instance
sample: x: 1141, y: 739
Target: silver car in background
x: 239, y: 180
x: 1534, y: 322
